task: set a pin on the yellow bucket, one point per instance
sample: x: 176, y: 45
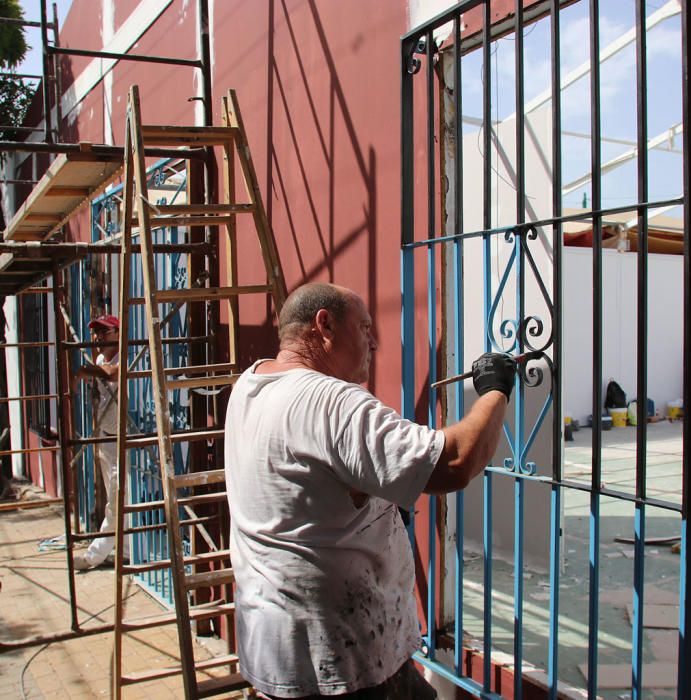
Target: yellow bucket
x: 618, y: 417
x: 675, y: 409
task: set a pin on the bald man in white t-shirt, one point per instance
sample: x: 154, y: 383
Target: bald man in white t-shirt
x: 316, y: 468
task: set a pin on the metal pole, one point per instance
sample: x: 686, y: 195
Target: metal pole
x: 61, y: 377
x: 46, y: 70
x: 57, y: 83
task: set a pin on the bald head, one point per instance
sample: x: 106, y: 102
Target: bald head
x: 301, y: 307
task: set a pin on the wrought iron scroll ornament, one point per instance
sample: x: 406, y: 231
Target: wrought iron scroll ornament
x: 418, y: 48
x: 529, y: 335
x: 524, y: 332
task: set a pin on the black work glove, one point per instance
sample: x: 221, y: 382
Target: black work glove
x: 494, y: 371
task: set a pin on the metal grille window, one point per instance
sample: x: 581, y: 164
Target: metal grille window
x: 521, y: 132
x: 36, y: 373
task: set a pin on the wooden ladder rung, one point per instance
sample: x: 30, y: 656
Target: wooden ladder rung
x: 208, y: 612
x: 187, y: 522
x: 203, y: 558
x: 197, y: 382
x: 211, y: 476
x: 189, y: 221
x: 190, y: 369
x: 194, y: 436
x: 199, y: 499
x: 156, y: 673
x: 185, y: 135
x: 200, y: 209
x: 215, y: 686
x: 206, y: 579
x: 166, y: 296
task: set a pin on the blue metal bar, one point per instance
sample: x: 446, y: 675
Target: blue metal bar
x: 459, y: 396
x: 518, y: 590
x: 555, y: 555
x: 470, y: 686
x: 638, y: 598
x: 642, y: 354
x: 487, y: 570
x: 431, y: 417
x: 408, y: 349
x: 594, y: 547
x: 684, y: 668
x: 487, y: 223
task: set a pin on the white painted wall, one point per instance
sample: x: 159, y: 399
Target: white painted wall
x: 13, y: 386
x: 665, y: 326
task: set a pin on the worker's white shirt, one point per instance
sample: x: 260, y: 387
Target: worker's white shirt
x: 325, y: 598
x: 107, y: 408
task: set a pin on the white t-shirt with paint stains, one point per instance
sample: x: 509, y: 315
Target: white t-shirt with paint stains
x: 325, y: 598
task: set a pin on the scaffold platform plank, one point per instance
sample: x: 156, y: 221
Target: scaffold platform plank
x: 25, y: 265
x: 70, y: 181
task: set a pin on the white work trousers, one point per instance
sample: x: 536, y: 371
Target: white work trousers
x: 101, y: 547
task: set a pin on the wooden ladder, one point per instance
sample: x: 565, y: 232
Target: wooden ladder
x: 140, y: 214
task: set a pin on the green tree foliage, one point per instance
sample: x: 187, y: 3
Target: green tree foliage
x: 12, y: 43
x: 15, y: 95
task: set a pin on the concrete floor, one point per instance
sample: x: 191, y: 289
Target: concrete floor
x: 616, y: 574
x: 34, y: 600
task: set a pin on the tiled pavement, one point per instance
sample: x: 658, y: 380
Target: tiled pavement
x: 34, y: 601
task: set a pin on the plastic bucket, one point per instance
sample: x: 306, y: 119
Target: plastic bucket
x: 675, y: 408
x: 618, y: 417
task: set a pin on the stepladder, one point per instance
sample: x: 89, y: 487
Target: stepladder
x: 192, y: 505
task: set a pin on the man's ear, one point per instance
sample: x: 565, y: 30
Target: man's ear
x: 324, y: 323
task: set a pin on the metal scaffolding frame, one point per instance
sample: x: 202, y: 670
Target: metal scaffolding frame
x: 75, y: 251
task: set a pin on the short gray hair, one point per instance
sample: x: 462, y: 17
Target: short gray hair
x: 302, y: 305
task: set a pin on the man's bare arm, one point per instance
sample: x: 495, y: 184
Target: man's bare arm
x: 107, y: 371
x: 469, y: 445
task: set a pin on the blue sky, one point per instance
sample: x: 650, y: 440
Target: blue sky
x: 32, y: 13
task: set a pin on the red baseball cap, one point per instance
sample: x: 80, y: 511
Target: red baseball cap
x: 107, y: 321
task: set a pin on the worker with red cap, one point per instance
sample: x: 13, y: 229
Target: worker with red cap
x: 103, y: 377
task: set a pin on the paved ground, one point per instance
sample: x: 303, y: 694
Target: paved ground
x: 34, y: 601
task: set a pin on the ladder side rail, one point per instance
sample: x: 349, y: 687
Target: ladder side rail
x: 266, y: 239
x: 231, y: 234
x: 64, y: 411
x: 122, y: 448
x: 160, y: 397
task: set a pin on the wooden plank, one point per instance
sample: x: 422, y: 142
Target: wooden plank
x: 206, y: 613
x: 199, y: 499
x: 207, y: 579
x: 191, y: 369
x: 189, y: 221
x: 190, y: 209
x: 211, y: 476
x: 201, y: 382
x: 157, y: 673
x: 65, y: 191
x: 209, y: 293
x: 61, y: 192
x: 206, y: 557
x: 215, y: 686
x: 183, y: 437
x: 185, y: 135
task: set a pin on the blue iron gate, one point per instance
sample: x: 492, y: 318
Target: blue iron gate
x: 167, y: 185
x: 469, y: 243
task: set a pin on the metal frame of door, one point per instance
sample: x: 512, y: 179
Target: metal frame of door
x: 445, y: 252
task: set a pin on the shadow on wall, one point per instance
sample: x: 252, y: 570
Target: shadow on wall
x: 315, y: 128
